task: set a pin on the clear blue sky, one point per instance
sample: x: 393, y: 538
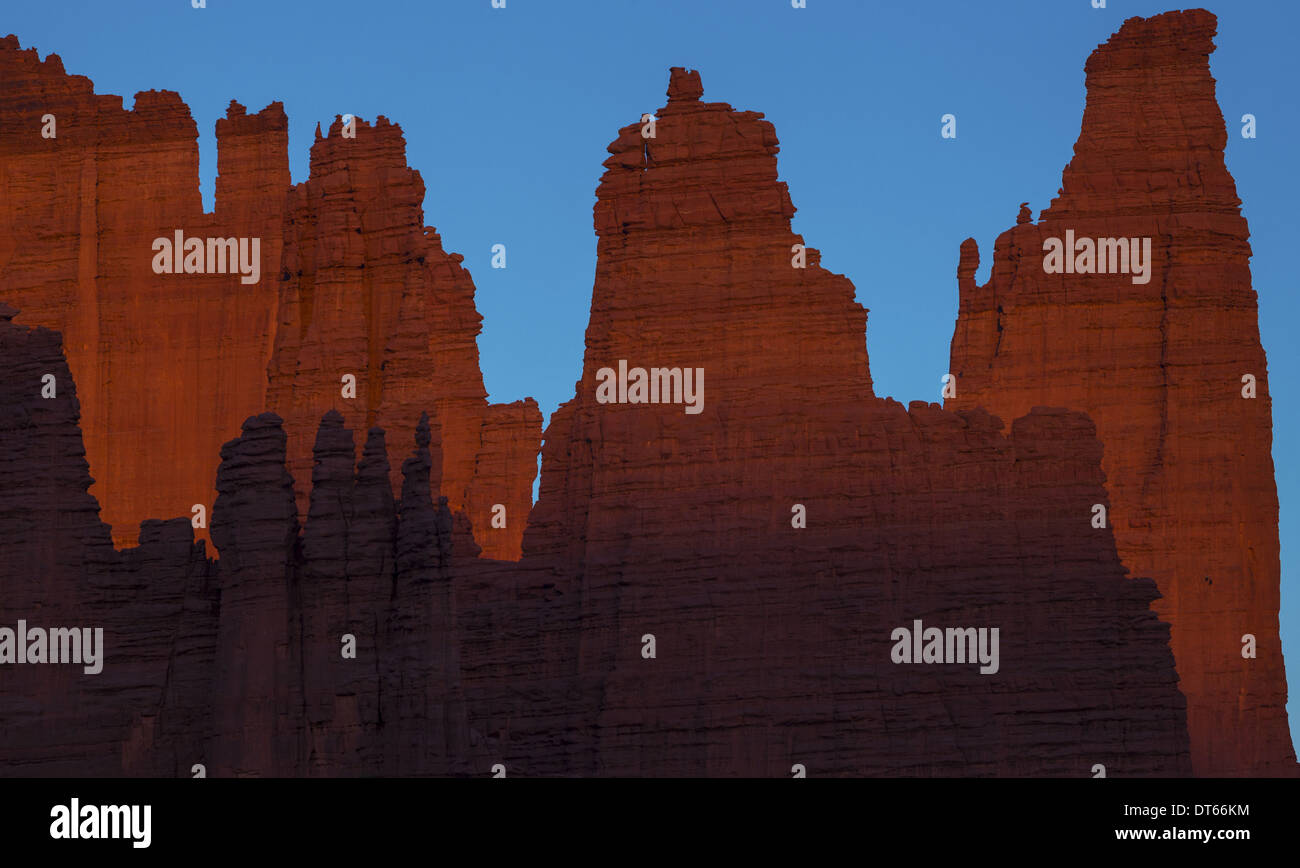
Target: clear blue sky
x: 507, y: 114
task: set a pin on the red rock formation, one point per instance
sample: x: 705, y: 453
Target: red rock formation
x: 773, y: 642
x: 338, y: 657
x: 772, y: 639
x: 168, y: 365
x: 369, y: 292
x: 171, y: 364
x: 1159, y: 367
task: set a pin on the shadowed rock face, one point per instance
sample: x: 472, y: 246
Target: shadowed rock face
x: 170, y: 364
x: 146, y: 711
x: 1159, y: 367
x: 365, y: 644
x: 235, y: 665
x: 336, y: 654
x: 768, y: 547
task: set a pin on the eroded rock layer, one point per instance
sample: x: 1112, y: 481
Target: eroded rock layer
x: 711, y: 592
x: 1159, y: 367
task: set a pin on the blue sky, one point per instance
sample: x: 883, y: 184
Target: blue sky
x: 507, y: 113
